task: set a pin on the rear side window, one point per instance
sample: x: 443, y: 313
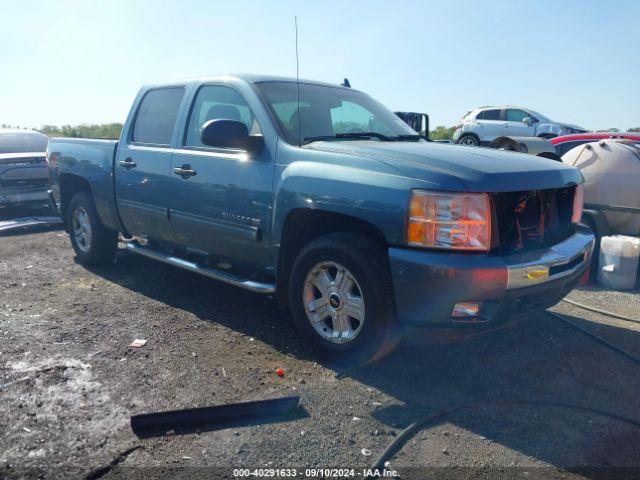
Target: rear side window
x: 489, y: 115
x: 157, y: 116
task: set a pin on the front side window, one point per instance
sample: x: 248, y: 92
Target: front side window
x: 156, y: 117
x: 489, y: 115
x: 326, y: 111
x: 514, y: 115
x: 215, y: 102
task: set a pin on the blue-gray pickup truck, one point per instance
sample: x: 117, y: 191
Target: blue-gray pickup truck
x: 319, y: 195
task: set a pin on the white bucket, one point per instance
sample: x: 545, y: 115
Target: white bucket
x: 618, y: 262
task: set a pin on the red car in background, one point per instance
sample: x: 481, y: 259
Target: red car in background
x: 566, y: 142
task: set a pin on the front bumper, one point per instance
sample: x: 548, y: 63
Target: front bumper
x: 10, y: 197
x: 428, y: 284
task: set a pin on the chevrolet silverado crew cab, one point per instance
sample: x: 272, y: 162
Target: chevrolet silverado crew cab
x: 319, y: 195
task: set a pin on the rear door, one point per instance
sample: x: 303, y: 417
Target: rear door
x: 490, y: 124
x: 224, y: 207
x: 143, y: 164
x: 514, y: 125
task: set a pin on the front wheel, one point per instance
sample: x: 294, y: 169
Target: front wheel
x: 93, y: 243
x: 469, y: 140
x: 342, y: 298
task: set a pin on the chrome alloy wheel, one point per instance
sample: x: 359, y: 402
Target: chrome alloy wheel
x: 82, y: 229
x: 333, y: 302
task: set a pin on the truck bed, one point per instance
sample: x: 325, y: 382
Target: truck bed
x: 90, y: 160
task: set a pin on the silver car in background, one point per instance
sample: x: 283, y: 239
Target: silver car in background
x: 24, y: 173
x: 483, y: 125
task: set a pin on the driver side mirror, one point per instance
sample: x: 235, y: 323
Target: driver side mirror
x: 528, y: 121
x: 221, y: 133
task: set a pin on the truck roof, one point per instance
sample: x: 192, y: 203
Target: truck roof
x: 246, y: 77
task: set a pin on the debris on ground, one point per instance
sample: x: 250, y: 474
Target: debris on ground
x: 8, y: 384
x: 366, y: 452
x: 137, y: 343
x: 17, y: 223
x: 280, y: 372
x: 219, y: 416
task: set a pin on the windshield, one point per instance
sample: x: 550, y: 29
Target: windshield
x: 539, y: 116
x: 325, y: 112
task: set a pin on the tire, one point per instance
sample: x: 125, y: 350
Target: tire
x: 93, y: 243
x: 469, y: 140
x: 364, y: 267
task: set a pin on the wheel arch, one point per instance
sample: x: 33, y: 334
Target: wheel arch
x: 70, y: 185
x: 302, y: 225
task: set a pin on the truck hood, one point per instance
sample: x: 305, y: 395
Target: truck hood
x: 479, y: 169
x: 571, y: 125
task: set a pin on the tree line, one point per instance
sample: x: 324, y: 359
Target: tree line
x: 103, y: 130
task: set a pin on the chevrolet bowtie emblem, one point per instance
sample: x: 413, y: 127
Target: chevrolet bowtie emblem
x: 537, y: 273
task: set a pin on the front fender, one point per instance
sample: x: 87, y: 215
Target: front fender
x: 376, y: 198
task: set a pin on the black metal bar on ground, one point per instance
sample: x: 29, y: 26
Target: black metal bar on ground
x: 210, y: 416
x: 7, y: 225
x: 612, y: 208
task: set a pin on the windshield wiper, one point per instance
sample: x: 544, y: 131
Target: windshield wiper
x: 357, y: 135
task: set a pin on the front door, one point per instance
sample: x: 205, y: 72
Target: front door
x: 514, y: 125
x: 220, y: 199
x: 143, y: 165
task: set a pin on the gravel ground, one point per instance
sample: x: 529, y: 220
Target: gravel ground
x: 70, y: 382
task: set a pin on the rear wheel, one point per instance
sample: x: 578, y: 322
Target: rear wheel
x: 93, y: 243
x: 342, y: 298
x: 469, y: 140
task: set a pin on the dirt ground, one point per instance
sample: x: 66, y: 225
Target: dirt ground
x: 69, y: 382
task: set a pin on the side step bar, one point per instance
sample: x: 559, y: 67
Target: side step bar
x: 251, y: 285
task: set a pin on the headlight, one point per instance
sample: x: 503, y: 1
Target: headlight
x: 578, y: 203
x: 451, y: 221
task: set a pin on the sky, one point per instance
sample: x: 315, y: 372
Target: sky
x: 71, y: 62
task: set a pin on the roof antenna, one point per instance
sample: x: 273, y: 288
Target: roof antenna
x: 346, y: 83
x: 298, y: 82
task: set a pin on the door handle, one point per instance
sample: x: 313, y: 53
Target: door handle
x: 185, y: 171
x: 128, y: 163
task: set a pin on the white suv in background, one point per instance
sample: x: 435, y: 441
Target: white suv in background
x: 483, y: 125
